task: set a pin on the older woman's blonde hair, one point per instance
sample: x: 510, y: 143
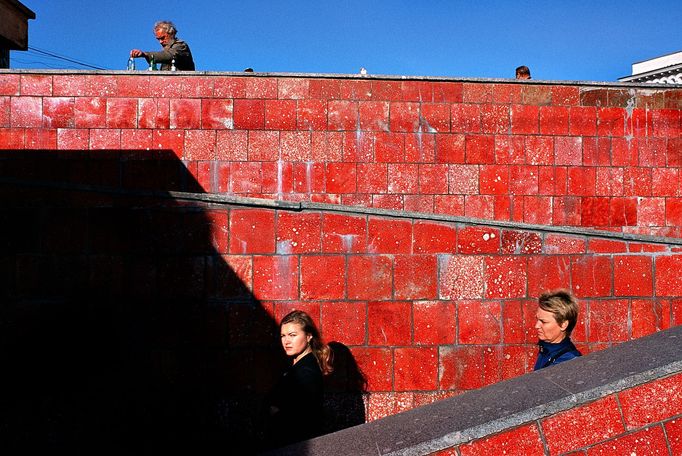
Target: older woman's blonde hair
x: 562, y: 305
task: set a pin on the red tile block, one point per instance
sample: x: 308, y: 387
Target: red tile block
x: 298, y: 232
x: 390, y: 147
x: 372, y: 178
x: 480, y: 206
x: 373, y: 115
x: 624, y: 152
x: 39, y: 138
x: 637, y: 181
x: 667, y: 279
x: 591, y: 276
x: 651, y: 441
x: 565, y: 95
x: 518, y: 318
x: 249, y: 114
x: 252, y: 231
x: 403, y: 178
x: 326, y: 146
x: 275, y: 277
x: 524, y: 180
x: 292, y: 88
x: 595, y: 211
x: 461, y: 367
x: 420, y: 148
x: 609, y: 181
x: 597, y: 421
x: 10, y: 84
x: 554, y: 120
x: 121, y: 112
x: 632, y: 276
x: 58, y: 112
x: 341, y: 178
x: 465, y: 118
x: 418, y: 203
x: 539, y: 150
x: 323, y: 277
x: 434, y: 322
x: 295, y: 146
x: 510, y: 150
x: 311, y: 115
x: 521, y: 441
x: 169, y: 140
x: 359, y: 147
x: 217, y: 114
x: 344, y: 322
x: 5, y: 111
x: 447, y: 92
x: 393, y: 202
x: 102, y: 138
x: 673, y: 429
x: 231, y: 145
x: 389, y: 323
x: 342, y: 115
x: 536, y: 95
x: 132, y: 86
x: 559, y: 244
x: 90, y: 112
x: 606, y: 246
x: 26, y: 112
x: 386, y: 90
x: 673, y: 211
x: 568, y: 150
x: 263, y: 145
x: 651, y: 151
x: 377, y: 365
x: 448, y: 204
x: 506, y: 277
x: 370, y: 277
x: 430, y: 237
x: 101, y: 85
x: 582, y: 181
x: 415, y: 277
x: 623, y: 212
x: 344, y: 234
x: 200, y: 145
x: 474, y: 240
x: 596, y: 151
x: 665, y: 122
x: 433, y: 179
x: 421, y: 91
x: 479, y: 322
x: 185, y: 113
x: 494, y: 119
x: 324, y: 89
x: 525, y: 119
x: 404, y: 117
x: 480, y: 149
x: 261, y: 88
x: 461, y: 277
x: 477, y: 93
x: 147, y: 110
x: 308, y: 177
x: 68, y: 86
x: 674, y: 152
x: 611, y: 121
x: 389, y: 236
x: 450, y: 148
x: 494, y: 179
x: 416, y: 369
x: 521, y: 242
x: 664, y: 181
x: 649, y: 317
x: 506, y: 93
x: 651, y: 402
x: 134, y: 139
x: 607, y: 320
x: 72, y: 139
x: 355, y: 90
x: 435, y: 117
x: 567, y: 211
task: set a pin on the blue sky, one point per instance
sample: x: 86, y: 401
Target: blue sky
x: 559, y: 40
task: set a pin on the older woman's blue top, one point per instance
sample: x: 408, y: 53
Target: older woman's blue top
x: 551, y: 354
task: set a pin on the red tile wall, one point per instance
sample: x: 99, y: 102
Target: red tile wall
x: 428, y: 308
x: 646, y: 419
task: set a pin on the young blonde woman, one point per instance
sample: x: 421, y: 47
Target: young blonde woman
x: 295, y: 403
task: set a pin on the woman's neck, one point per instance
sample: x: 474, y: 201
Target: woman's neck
x: 303, y: 353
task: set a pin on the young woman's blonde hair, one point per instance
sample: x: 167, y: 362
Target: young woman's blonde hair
x: 323, y: 354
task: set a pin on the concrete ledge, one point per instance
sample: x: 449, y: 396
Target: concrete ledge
x: 507, y: 404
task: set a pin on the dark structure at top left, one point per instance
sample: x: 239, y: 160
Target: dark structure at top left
x: 13, y: 28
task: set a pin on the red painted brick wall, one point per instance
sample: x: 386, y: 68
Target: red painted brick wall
x: 428, y: 308
x: 642, y: 420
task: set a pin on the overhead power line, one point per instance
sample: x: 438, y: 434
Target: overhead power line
x: 64, y: 58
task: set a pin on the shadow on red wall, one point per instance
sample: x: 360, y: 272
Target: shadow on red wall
x: 122, y: 326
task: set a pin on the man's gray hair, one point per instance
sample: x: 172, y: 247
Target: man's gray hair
x: 166, y: 26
